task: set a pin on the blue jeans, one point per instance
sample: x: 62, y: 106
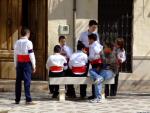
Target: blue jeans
x: 103, y: 74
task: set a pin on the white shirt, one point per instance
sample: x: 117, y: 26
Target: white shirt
x: 22, y: 47
x: 121, y: 55
x: 94, y: 50
x: 66, y: 51
x: 78, y: 59
x: 56, y: 60
x: 84, y: 38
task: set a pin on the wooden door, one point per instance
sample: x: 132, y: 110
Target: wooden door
x: 37, y: 23
x: 10, y: 22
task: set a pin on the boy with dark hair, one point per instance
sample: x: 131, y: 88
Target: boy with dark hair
x: 95, y: 50
x: 92, y: 29
x: 66, y: 51
x: 78, y: 61
x: 56, y: 64
x: 24, y: 60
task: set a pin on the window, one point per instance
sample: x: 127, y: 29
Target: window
x: 116, y: 18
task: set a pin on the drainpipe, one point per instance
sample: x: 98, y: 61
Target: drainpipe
x: 74, y: 26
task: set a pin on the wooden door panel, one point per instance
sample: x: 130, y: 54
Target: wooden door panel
x: 3, y: 19
x: 10, y: 16
x: 37, y: 25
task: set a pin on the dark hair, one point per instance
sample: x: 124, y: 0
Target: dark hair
x: 61, y: 37
x: 120, y: 42
x: 57, y: 49
x: 92, y: 36
x: 24, y: 31
x: 80, y: 45
x: 92, y: 22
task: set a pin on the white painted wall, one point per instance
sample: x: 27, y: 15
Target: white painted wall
x: 141, y: 31
x: 139, y: 80
x: 61, y: 12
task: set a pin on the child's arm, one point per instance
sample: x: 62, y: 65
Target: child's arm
x: 122, y: 56
x: 47, y: 64
x: 65, y: 64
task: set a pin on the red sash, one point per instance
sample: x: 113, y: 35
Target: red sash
x: 23, y: 58
x: 97, y: 61
x: 56, y: 69
x: 81, y: 69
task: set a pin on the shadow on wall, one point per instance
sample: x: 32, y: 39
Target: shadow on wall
x: 145, y: 4
x: 143, y: 77
x: 58, y: 9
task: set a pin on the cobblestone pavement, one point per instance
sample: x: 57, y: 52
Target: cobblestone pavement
x: 120, y: 104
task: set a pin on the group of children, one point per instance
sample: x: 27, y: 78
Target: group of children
x: 105, y: 62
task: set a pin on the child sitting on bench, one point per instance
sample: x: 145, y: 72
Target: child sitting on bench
x: 56, y: 64
x: 102, y: 72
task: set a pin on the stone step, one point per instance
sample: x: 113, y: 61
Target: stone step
x: 36, y: 86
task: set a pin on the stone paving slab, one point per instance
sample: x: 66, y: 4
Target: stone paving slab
x: 119, y: 104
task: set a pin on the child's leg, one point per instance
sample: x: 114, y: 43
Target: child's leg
x: 106, y: 90
x: 107, y: 74
x: 93, y: 75
x: 98, y: 90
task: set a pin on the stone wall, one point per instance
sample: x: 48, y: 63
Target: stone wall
x: 139, y: 80
x: 60, y: 12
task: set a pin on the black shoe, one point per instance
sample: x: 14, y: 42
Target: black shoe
x: 113, y: 94
x: 71, y: 95
x: 16, y: 103
x: 54, y: 95
x: 82, y: 96
x: 91, y: 97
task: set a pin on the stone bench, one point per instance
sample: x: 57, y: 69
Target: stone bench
x: 62, y: 81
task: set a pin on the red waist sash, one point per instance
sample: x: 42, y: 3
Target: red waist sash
x: 23, y: 58
x: 81, y: 69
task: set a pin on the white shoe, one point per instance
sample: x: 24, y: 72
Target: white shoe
x: 96, y: 100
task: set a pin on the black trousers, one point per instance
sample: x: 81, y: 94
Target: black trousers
x: 70, y: 88
x: 82, y: 87
x: 54, y: 89
x: 111, y: 90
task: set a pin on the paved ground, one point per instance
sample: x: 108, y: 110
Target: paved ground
x: 121, y: 104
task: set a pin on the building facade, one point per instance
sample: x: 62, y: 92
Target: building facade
x: 128, y: 19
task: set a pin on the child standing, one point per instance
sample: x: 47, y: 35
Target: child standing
x: 120, y: 54
x: 95, y: 49
x: 92, y: 29
x: 25, y: 64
